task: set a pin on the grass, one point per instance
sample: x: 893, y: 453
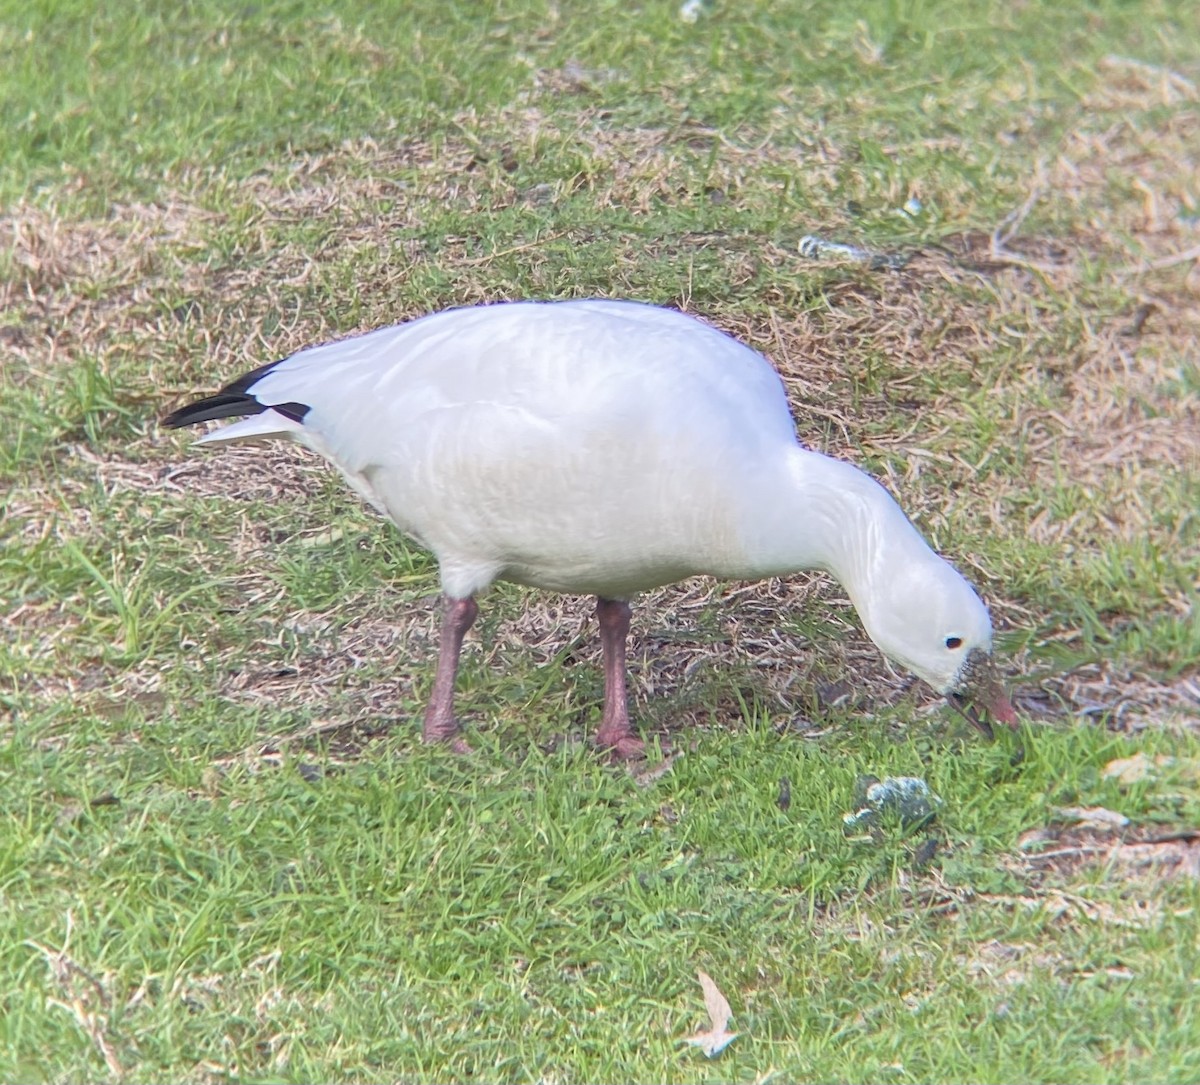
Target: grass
x: 225, y: 856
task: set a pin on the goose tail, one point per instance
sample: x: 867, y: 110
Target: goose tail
x: 237, y: 400
x: 261, y: 427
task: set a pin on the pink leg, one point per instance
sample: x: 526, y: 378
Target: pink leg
x: 615, y: 733
x: 440, y: 724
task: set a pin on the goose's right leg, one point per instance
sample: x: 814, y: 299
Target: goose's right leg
x: 615, y: 732
x: 440, y: 722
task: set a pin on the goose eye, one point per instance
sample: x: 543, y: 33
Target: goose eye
x: 954, y: 642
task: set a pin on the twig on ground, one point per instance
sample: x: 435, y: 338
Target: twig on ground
x: 67, y: 973
x: 1061, y: 853
x: 1012, y: 222
x: 1008, y: 227
x: 1163, y: 262
x: 479, y: 261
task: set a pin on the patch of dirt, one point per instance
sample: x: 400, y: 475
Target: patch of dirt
x: 1130, y: 701
x: 1009, y: 964
x: 1056, y: 856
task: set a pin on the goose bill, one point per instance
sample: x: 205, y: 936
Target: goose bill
x: 980, y: 695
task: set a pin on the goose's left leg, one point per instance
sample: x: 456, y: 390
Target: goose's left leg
x: 441, y: 725
x: 615, y: 733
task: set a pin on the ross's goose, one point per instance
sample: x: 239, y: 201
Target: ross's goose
x: 605, y: 447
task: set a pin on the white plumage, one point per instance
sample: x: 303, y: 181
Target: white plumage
x: 605, y: 447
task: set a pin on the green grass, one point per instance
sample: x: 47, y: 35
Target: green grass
x: 422, y: 915
x: 224, y: 855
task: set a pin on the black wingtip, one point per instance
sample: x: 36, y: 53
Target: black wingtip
x: 234, y: 401
x: 214, y: 407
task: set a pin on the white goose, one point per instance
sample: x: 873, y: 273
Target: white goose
x: 605, y: 447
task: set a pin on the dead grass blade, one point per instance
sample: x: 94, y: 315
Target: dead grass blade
x: 84, y: 997
x: 716, y: 1038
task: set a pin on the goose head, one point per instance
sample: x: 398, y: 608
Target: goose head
x: 925, y: 616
